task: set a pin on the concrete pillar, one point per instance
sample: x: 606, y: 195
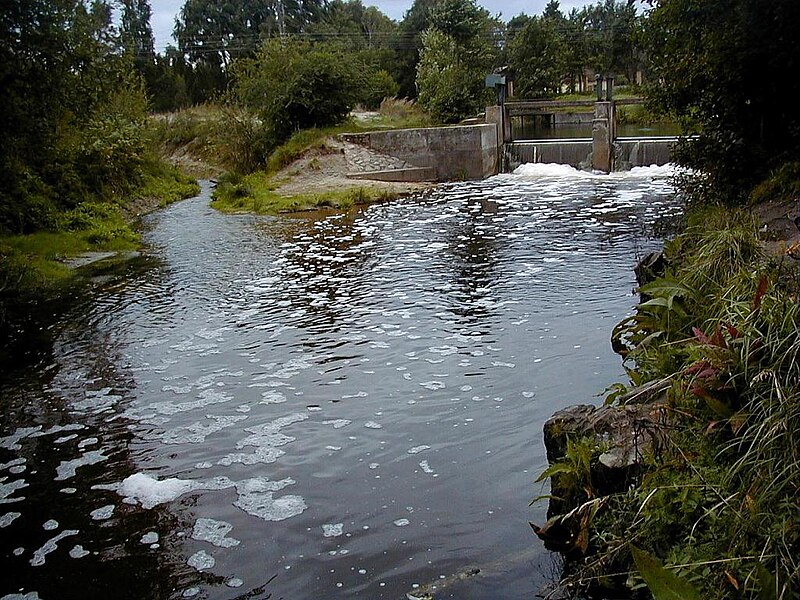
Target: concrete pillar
x: 495, y: 114
x: 603, y: 133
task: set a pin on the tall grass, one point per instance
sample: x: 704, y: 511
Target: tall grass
x: 720, y: 504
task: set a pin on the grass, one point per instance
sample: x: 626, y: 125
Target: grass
x: 166, y: 184
x: 31, y: 266
x: 720, y: 503
x: 255, y: 193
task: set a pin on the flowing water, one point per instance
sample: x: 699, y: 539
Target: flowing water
x: 323, y: 406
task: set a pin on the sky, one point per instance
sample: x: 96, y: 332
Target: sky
x: 165, y: 11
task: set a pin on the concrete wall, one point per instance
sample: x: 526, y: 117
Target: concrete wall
x: 459, y: 152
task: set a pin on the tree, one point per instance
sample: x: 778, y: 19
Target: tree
x: 65, y: 85
x: 612, y: 31
x: 218, y: 32
x: 407, y: 45
x: 293, y: 85
x: 136, y: 34
x: 458, y: 51
x: 721, y: 67
x: 536, y: 55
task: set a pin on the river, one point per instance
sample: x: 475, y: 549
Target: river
x: 321, y: 406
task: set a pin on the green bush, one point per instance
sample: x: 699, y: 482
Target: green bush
x: 379, y: 85
x: 293, y: 85
x: 450, y: 78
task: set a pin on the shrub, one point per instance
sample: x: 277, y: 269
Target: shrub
x: 293, y: 85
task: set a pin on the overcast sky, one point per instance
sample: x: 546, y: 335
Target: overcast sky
x: 165, y: 11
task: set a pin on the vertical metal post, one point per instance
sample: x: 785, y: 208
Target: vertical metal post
x: 609, y: 87
x: 598, y: 86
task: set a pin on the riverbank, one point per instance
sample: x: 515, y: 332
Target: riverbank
x: 310, y: 172
x: 705, y: 475
x: 39, y: 266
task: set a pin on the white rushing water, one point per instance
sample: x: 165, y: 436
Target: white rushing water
x: 326, y: 406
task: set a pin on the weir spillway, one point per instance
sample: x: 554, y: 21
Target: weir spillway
x: 577, y: 152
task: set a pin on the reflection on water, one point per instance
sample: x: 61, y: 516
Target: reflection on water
x: 536, y: 127
x: 338, y: 406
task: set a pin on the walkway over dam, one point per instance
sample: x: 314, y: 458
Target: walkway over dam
x: 603, y: 151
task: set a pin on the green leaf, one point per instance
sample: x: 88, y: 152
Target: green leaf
x: 559, y: 467
x: 666, y: 288
x: 660, y: 302
x: 663, y: 584
x: 768, y: 584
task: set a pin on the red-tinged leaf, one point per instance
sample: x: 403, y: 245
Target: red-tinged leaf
x: 701, y: 337
x: 733, y: 332
x: 715, y: 404
x: 717, y: 339
x: 760, y: 291
x: 695, y: 367
x: 702, y: 369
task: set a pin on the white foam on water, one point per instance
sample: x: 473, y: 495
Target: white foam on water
x: 213, y: 334
x: 6, y: 489
x: 332, y: 529
x: 151, y: 537
x: 87, y: 442
x: 191, y: 592
x: 552, y: 170
x: 96, y: 401
x: 8, y: 518
x: 256, y: 499
x: 201, y: 560
x: 262, y: 455
x: 77, y: 551
x: 11, y: 442
x: 234, y: 582
x: 50, y: 525
x: 337, y: 423
x: 68, y: 490
x: 50, y: 546
x: 418, y: 449
x: 214, y: 532
x: 204, y: 398
x: 103, y: 513
x: 27, y: 596
x: 425, y: 466
x: 66, y: 469
x: 197, y: 432
x: 149, y: 492
x: 203, y: 465
x: 267, y: 439
x: 333, y: 448
x: 59, y: 429
x: 402, y: 522
x: 272, y: 397
x: 374, y: 466
x: 17, y: 462
x: 65, y: 439
x: 373, y: 425
x: 433, y: 385
x: 178, y: 389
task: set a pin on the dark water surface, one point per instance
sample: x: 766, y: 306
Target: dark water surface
x: 340, y: 406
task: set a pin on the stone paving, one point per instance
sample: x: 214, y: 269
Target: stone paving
x: 361, y: 159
